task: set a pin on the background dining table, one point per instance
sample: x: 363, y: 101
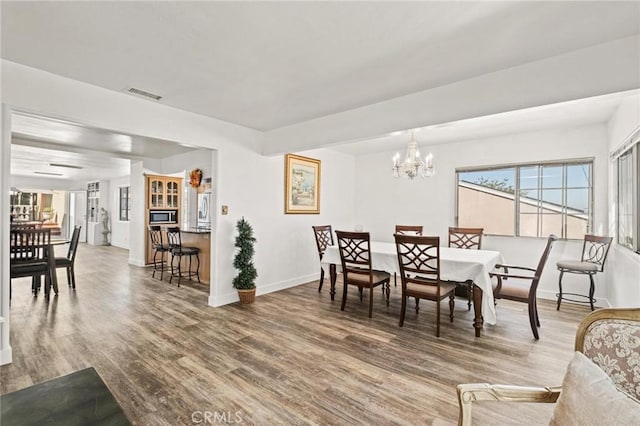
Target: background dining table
x: 456, y: 264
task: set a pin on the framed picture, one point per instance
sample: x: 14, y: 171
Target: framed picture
x: 301, y: 185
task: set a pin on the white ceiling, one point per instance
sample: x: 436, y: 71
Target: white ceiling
x: 271, y: 64
x: 556, y: 116
x: 38, y: 142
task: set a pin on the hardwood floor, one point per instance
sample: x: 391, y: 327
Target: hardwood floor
x: 291, y: 358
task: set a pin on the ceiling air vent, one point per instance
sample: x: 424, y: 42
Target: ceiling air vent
x: 68, y: 166
x: 144, y: 94
x: 48, y: 173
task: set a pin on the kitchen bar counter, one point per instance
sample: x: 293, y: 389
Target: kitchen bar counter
x: 195, y: 230
x: 200, y: 238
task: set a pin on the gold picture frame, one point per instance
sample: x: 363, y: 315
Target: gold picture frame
x: 301, y: 185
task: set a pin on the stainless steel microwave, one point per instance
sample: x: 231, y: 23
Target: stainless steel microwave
x: 163, y: 216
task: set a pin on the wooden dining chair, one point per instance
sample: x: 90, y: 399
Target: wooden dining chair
x: 523, y: 286
x: 355, y: 256
x: 69, y: 260
x: 30, y: 255
x: 466, y: 238
x: 324, y: 238
x: 407, y: 230
x: 419, y: 262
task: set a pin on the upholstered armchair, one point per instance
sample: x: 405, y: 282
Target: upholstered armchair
x: 602, y: 382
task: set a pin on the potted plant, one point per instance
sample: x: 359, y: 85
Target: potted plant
x: 245, y: 281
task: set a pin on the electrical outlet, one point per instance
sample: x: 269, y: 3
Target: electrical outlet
x: 225, y: 210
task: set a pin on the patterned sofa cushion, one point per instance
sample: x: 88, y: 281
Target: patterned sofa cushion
x: 589, y: 398
x: 614, y: 346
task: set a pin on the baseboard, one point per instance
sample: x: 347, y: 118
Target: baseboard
x: 6, y: 356
x: 232, y: 297
x: 137, y: 262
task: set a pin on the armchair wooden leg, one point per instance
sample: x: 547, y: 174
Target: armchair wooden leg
x: 532, y: 319
x: 403, y: 310
x: 344, y: 292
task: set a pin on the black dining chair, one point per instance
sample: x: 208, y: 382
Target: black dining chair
x: 30, y: 255
x: 69, y: 260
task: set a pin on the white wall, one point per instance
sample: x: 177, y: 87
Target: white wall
x: 119, y: 229
x: 250, y: 184
x: 47, y: 183
x: 383, y: 201
x: 623, y: 266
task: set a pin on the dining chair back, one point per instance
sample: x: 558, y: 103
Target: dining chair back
x: 594, y: 255
x: 466, y: 238
x: 69, y: 261
x: 409, y: 229
x: 419, y: 263
x: 324, y: 238
x: 523, y: 286
x: 30, y: 256
x: 355, y: 257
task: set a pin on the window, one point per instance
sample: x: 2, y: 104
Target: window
x: 125, y: 203
x: 529, y: 200
x: 628, y: 198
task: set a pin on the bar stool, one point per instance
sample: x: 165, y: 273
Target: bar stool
x: 178, y: 250
x: 155, y: 233
x: 594, y: 254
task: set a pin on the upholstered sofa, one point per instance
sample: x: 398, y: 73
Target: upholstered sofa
x: 601, y: 385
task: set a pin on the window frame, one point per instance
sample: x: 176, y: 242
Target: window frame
x: 590, y: 161
x: 120, y: 198
x: 633, y: 148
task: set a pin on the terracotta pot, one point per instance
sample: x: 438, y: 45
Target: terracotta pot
x: 247, y: 296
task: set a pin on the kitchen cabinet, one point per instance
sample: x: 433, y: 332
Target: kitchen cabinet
x: 164, y: 192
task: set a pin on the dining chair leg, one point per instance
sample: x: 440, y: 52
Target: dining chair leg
x: 344, y: 292
x: 388, y: 285
x: 417, y: 305
x: 403, y: 310
x: 452, y: 304
x: 560, y: 290
x: 73, y: 277
x: 592, y: 289
x: 321, y: 279
x: 198, y: 268
x: 370, y: 301
x: 171, y: 277
x: 360, y: 290
x: 437, y: 318
x: 532, y: 320
x: 395, y: 281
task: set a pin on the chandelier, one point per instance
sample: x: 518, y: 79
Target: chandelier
x: 413, y: 165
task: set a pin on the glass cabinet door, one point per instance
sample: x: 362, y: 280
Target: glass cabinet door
x: 172, y: 194
x: 156, y: 193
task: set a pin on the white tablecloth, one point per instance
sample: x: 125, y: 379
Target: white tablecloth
x: 455, y: 265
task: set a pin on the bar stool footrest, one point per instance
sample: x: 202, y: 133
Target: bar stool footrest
x: 583, y: 296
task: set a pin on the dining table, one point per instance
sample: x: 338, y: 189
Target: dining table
x: 456, y: 265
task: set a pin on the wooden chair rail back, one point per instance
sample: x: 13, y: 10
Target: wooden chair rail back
x: 467, y: 238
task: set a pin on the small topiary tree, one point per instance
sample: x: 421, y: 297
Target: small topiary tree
x: 243, y: 261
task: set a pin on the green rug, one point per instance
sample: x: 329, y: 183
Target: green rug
x: 79, y: 398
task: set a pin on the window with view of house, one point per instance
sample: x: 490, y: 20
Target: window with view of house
x: 628, y: 199
x: 528, y: 200
x: 125, y: 203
